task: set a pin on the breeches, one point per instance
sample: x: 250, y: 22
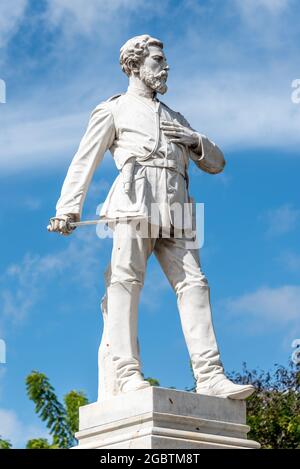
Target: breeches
x: 130, y: 252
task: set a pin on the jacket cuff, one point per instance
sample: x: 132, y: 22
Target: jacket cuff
x: 199, y: 149
x: 68, y: 211
x: 208, y: 156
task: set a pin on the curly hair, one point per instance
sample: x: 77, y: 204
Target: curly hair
x: 135, y: 50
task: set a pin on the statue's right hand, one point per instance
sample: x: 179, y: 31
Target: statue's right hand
x: 61, y: 223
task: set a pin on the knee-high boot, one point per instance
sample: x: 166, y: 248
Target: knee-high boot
x: 195, y: 314
x: 121, y: 329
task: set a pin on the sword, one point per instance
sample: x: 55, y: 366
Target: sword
x: 75, y: 224
x: 105, y: 220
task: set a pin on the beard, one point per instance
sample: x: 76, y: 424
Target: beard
x: 156, y: 82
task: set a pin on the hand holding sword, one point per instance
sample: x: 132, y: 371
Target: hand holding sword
x: 65, y: 224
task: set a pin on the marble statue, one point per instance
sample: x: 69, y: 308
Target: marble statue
x: 151, y: 145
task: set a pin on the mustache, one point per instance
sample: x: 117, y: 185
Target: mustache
x: 163, y: 74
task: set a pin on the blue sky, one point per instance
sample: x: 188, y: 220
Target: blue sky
x: 232, y: 66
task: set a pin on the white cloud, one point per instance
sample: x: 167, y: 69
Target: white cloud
x: 23, y: 285
x: 88, y: 17
x: 13, y: 429
x: 290, y: 260
x: 229, y: 109
x: 275, y: 305
x: 282, y: 220
x: 241, y: 110
x: 11, y: 14
x: 18, y: 299
x: 254, y: 7
x: 254, y: 15
x: 239, y: 103
x: 44, y: 131
x: 32, y: 203
x: 42, y: 142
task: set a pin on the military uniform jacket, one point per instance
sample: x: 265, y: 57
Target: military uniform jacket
x: 129, y: 126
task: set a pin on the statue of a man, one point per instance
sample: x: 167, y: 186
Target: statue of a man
x: 151, y: 145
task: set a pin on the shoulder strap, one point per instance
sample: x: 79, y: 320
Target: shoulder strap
x: 115, y: 96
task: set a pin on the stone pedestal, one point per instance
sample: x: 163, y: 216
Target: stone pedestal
x: 160, y: 418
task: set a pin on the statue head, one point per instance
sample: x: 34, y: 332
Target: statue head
x: 143, y: 57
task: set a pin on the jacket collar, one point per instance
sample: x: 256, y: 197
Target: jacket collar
x: 150, y: 103
x: 142, y: 93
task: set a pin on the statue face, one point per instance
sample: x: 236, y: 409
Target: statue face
x: 154, y: 70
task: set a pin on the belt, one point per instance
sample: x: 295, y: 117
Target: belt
x: 164, y: 163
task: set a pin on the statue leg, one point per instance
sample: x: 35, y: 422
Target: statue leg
x: 182, y: 267
x: 195, y: 315
x: 122, y: 318
x: 107, y: 384
x: 119, y: 362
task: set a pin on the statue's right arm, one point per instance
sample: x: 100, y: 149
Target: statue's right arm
x: 98, y: 138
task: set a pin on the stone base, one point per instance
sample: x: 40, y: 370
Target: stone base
x: 160, y: 418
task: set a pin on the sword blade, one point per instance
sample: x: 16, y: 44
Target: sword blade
x: 75, y: 224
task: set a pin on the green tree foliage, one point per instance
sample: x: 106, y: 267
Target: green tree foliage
x: 73, y: 400
x: 153, y: 381
x: 39, y: 443
x: 5, y: 444
x: 61, y: 421
x: 273, y: 411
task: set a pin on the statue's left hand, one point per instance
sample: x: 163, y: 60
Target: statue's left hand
x: 180, y: 134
